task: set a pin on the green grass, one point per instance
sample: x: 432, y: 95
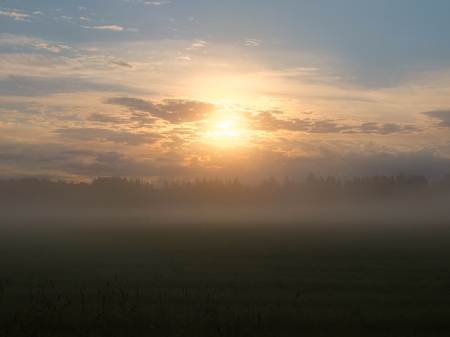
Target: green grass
x: 131, y: 277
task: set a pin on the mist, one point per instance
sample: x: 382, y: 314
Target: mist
x: 223, y: 259
x: 368, y: 201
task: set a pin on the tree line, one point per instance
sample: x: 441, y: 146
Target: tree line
x: 128, y: 192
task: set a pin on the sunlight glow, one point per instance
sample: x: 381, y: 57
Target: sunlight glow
x: 225, y: 128
x: 225, y: 125
x: 225, y: 132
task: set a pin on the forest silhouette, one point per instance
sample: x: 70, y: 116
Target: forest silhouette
x: 135, y: 193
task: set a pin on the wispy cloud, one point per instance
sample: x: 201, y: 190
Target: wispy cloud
x: 17, y: 39
x: 46, y: 46
x: 90, y: 49
x: 35, y: 65
x: 123, y: 64
x: 197, y: 45
x: 102, y: 135
x: 442, y: 115
x: 21, y: 40
x: 113, y: 27
x: 156, y: 3
x: 269, y: 122
x: 252, y: 42
x: 15, y: 15
x: 106, y: 119
x: 174, y: 111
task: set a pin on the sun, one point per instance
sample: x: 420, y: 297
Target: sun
x: 225, y: 132
x: 225, y: 126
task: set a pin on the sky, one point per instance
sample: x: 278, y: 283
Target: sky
x: 187, y: 89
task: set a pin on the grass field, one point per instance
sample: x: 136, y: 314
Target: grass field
x: 134, y: 277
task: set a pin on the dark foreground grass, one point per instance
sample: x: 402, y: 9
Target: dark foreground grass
x: 131, y: 277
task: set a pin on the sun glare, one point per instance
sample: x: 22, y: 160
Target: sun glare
x: 225, y: 132
x: 225, y: 125
x: 226, y: 128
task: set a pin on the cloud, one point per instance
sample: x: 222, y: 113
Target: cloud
x: 38, y: 13
x: 18, y: 39
x: 156, y: 3
x: 15, y: 15
x: 103, y: 118
x: 79, y: 160
x: 267, y: 121
x: 174, y: 111
x: 350, y: 164
x: 134, y: 30
x: 43, y: 83
x: 122, y: 64
x: 46, y: 46
x: 119, y: 119
x: 22, y: 40
x: 84, y: 19
x: 197, y: 45
x: 252, y: 42
x: 104, y: 135
x: 90, y: 49
x: 57, y: 161
x: 113, y: 27
x: 442, y: 115
x: 21, y: 64
x: 82, y: 8
x: 24, y: 159
x: 171, y: 157
x: 110, y: 157
x: 118, y: 164
x: 385, y: 128
x: 180, y: 111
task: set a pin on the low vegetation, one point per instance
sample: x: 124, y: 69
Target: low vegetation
x: 133, y: 277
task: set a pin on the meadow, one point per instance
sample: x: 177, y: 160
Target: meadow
x: 129, y: 276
